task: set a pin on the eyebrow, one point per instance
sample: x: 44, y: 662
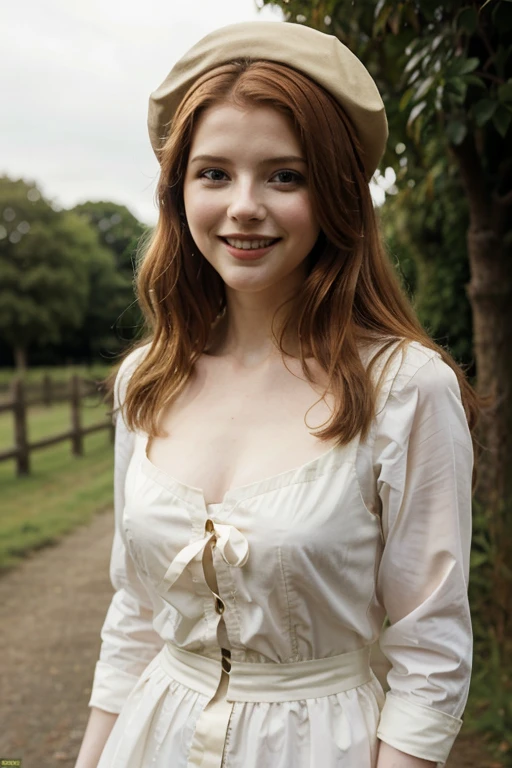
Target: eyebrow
x: 268, y: 161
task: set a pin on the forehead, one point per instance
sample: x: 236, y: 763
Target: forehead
x: 258, y: 128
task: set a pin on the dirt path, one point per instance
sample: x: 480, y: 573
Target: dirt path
x: 51, y: 610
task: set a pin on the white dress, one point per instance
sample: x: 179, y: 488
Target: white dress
x: 309, y: 563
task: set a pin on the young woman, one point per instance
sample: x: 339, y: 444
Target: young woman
x: 293, y: 457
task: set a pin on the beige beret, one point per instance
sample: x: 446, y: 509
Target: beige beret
x: 321, y: 57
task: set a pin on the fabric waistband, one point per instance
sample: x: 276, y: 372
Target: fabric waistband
x: 269, y: 681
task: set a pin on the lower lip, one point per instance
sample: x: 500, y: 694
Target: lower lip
x: 248, y: 255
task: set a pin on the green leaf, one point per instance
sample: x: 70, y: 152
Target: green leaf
x: 423, y: 88
x: 414, y: 77
x: 415, y: 60
x: 501, y: 120
x: 406, y: 97
x: 456, y: 132
x: 481, y: 540
x: 412, y: 45
x: 474, y: 80
x: 477, y: 559
x: 382, y: 19
x: 457, y: 86
x: 468, y: 20
x: 436, y: 42
x: 378, y: 8
x: 415, y: 111
x: 483, y: 110
x: 462, y: 66
x: 470, y: 65
x: 505, y: 91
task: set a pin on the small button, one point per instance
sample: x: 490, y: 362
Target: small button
x: 209, y: 526
x: 219, y: 605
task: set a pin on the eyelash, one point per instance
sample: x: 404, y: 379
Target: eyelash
x: 298, y: 178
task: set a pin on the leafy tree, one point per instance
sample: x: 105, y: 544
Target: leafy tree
x: 424, y: 225
x: 121, y: 232
x: 106, y: 302
x: 118, y: 229
x: 59, y: 286
x: 445, y: 74
x: 43, y: 268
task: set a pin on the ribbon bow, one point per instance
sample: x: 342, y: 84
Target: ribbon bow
x: 232, y: 545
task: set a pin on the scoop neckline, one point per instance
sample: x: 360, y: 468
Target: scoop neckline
x: 326, y: 461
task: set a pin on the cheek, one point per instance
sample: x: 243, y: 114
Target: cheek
x: 297, y: 216
x: 202, y: 212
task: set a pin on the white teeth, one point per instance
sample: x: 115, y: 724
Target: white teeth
x: 248, y: 245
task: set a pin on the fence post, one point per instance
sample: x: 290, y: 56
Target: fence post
x: 47, y: 389
x: 20, y: 428
x: 77, y: 442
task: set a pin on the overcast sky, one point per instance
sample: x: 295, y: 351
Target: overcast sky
x: 76, y: 78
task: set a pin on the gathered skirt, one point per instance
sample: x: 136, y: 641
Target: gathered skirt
x: 190, y: 711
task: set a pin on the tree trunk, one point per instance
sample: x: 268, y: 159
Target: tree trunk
x: 490, y: 294
x: 20, y: 359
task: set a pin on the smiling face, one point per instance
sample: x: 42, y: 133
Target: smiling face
x: 245, y: 186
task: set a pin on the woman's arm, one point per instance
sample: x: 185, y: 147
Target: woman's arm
x: 129, y: 641
x: 389, y: 757
x: 423, y: 461
x: 98, y: 730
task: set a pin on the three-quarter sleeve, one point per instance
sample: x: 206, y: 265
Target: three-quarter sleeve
x: 423, y: 463
x: 129, y: 641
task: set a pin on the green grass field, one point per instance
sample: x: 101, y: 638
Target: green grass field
x: 62, y: 491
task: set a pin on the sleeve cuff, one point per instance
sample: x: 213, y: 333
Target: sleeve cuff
x: 111, y: 687
x: 417, y: 730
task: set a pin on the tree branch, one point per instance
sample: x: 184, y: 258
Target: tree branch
x: 483, y: 35
x: 487, y: 76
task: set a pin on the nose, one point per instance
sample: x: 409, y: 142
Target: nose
x: 246, y: 203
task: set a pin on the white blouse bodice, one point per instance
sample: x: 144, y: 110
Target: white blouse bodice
x: 311, y: 561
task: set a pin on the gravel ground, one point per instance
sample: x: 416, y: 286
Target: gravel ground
x: 52, y: 607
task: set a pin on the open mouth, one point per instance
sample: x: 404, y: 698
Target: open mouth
x: 250, y: 245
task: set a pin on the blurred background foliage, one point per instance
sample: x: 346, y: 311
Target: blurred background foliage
x: 445, y: 74
x: 424, y: 226
x: 66, y: 278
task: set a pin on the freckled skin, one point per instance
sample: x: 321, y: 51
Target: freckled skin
x: 247, y: 194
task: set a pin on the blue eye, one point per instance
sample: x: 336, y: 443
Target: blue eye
x: 212, y: 170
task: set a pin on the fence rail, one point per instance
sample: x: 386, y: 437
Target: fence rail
x: 19, y: 404
x: 45, y: 391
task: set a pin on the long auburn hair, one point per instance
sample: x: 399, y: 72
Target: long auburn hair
x: 351, y: 295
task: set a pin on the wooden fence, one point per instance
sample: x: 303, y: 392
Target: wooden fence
x: 72, y: 392
x: 46, y: 391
